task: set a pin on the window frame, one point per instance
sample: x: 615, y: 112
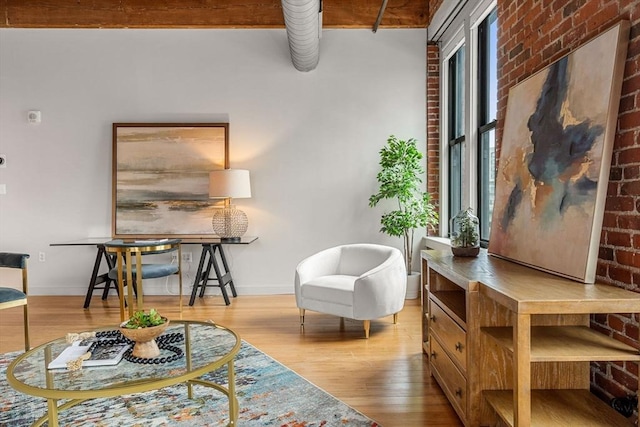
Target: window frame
x: 456, y: 141
x: 486, y: 124
x: 452, y: 28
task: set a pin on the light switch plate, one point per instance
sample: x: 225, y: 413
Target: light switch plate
x: 3, y: 189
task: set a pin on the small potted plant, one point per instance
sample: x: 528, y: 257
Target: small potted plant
x: 143, y: 328
x: 465, y: 236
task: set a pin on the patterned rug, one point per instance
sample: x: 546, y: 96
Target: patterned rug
x: 269, y: 394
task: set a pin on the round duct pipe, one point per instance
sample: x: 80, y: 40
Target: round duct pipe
x: 302, y: 21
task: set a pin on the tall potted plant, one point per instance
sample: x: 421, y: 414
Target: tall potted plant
x: 400, y: 179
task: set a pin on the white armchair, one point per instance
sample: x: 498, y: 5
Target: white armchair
x: 357, y: 281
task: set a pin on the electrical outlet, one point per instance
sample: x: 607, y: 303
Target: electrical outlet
x: 41, y: 257
x: 186, y: 257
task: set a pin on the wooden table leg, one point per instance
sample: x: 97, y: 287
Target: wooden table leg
x: 94, y: 276
x: 522, y: 370
x: 199, y: 274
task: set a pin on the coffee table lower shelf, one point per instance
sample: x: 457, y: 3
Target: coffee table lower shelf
x: 558, y: 408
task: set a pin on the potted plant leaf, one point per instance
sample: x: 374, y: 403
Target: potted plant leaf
x: 400, y: 180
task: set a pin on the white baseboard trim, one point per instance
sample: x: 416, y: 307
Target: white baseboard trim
x: 241, y: 290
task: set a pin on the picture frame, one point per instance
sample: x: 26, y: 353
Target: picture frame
x: 160, y: 178
x: 553, y: 173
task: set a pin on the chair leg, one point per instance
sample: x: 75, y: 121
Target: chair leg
x: 367, y: 326
x: 395, y: 318
x: 27, y: 344
x: 302, y: 317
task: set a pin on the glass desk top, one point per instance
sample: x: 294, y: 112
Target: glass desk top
x: 206, y: 347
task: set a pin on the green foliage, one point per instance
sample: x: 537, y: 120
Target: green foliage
x: 466, y: 234
x: 141, y: 319
x: 399, y: 179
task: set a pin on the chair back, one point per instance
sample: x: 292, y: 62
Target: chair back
x: 357, y: 259
x: 13, y: 260
x: 10, y: 297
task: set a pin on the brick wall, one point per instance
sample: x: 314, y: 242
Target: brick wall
x: 433, y: 124
x: 531, y: 35
x: 433, y: 117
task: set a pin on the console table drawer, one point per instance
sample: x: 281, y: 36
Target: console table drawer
x: 452, y: 336
x: 449, y: 377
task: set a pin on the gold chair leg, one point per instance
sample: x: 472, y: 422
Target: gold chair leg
x: 367, y: 326
x: 395, y: 318
x: 302, y: 317
x: 27, y: 345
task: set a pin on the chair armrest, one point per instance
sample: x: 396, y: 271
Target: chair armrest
x: 323, y: 263
x: 381, y: 291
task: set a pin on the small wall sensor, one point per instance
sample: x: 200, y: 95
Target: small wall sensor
x: 34, y: 116
x: 3, y: 161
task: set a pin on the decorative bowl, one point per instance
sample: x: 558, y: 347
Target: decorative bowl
x: 145, y: 344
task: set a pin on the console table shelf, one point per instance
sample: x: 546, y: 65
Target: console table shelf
x: 453, y: 303
x: 511, y: 345
x: 551, y: 408
x: 567, y: 343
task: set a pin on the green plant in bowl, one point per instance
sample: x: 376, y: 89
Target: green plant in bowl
x: 140, y: 319
x: 143, y: 328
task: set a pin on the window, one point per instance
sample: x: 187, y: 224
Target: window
x: 487, y: 106
x: 467, y: 35
x: 456, y: 130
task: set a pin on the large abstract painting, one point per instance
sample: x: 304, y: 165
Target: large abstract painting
x: 555, y: 158
x: 161, y: 178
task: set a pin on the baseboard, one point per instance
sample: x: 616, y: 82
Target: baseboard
x: 172, y: 290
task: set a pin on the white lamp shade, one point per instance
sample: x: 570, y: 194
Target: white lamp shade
x: 233, y: 183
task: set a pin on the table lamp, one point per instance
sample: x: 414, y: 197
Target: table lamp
x: 228, y: 222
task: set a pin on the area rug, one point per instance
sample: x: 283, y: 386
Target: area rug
x: 269, y: 394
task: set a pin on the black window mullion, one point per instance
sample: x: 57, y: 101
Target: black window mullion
x: 486, y: 124
x: 456, y: 135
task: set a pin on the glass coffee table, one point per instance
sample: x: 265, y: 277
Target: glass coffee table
x: 206, y: 347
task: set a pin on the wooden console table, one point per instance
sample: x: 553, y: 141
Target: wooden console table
x: 511, y: 345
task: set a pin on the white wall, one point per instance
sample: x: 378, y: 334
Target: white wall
x: 310, y: 140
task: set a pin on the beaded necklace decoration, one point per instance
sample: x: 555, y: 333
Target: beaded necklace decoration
x: 164, y: 343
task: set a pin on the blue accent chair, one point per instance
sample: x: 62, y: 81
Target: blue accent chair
x: 10, y: 297
x: 129, y: 257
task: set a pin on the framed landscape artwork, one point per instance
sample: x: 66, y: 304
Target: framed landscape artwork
x: 161, y: 178
x: 555, y: 159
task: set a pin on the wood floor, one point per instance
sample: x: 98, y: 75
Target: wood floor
x: 385, y: 377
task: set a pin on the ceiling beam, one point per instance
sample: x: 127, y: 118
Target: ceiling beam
x: 201, y: 14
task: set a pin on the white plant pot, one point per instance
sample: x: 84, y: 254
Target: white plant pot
x: 413, y: 285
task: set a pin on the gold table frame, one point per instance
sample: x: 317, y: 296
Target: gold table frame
x: 139, y: 385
